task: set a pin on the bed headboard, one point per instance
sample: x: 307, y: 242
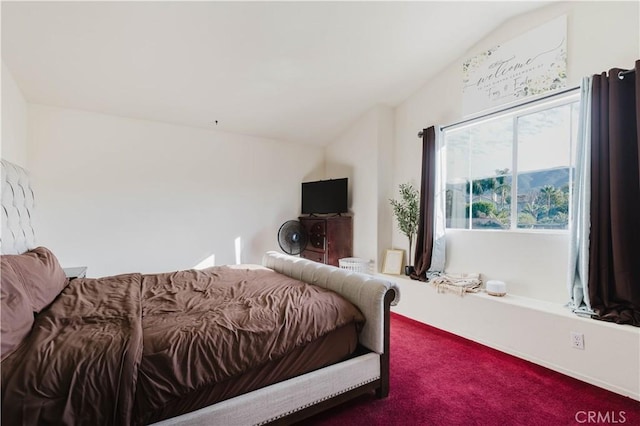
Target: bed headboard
x: 17, y: 235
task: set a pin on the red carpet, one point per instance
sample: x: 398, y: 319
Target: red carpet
x: 438, y: 378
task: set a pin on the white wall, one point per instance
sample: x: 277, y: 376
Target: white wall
x: 601, y: 35
x: 386, y: 153
x: 358, y: 154
x: 13, y: 146
x: 122, y: 195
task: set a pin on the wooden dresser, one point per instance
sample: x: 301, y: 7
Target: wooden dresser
x: 330, y: 238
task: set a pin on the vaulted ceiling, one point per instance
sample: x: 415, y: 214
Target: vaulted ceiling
x: 291, y: 71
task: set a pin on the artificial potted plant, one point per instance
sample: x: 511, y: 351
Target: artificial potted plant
x: 406, y: 212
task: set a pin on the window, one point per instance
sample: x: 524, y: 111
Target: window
x: 513, y: 169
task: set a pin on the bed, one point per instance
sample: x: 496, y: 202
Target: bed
x: 229, y: 345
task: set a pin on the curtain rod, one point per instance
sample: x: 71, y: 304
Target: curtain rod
x: 621, y: 74
x: 560, y: 92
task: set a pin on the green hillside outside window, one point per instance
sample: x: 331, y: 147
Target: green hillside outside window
x: 513, y: 169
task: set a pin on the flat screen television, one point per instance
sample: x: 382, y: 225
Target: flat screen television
x: 324, y: 196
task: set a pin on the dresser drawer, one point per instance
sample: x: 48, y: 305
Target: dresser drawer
x: 313, y: 255
x: 316, y: 242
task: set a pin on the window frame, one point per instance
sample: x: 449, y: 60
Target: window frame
x: 514, y: 112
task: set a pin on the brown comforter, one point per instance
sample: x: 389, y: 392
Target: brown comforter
x: 112, y: 350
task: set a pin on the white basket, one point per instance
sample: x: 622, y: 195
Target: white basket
x: 355, y: 264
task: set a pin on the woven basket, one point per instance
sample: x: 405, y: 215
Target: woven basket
x: 355, y: 264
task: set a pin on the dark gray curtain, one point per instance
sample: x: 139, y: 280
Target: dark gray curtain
x: 614, y: 242
x: 424, y: 237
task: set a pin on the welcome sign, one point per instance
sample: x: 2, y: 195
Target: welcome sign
x: 531, y: 64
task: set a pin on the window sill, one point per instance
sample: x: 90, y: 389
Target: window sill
x: 508, y: 299
x: 514, y: 231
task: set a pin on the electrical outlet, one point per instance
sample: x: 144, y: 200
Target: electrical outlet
x: 577, y: 340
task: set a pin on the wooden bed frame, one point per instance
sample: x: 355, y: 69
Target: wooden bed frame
x: 281, y: 403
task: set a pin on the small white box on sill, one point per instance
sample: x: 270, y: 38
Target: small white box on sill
x: 496, y: 288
